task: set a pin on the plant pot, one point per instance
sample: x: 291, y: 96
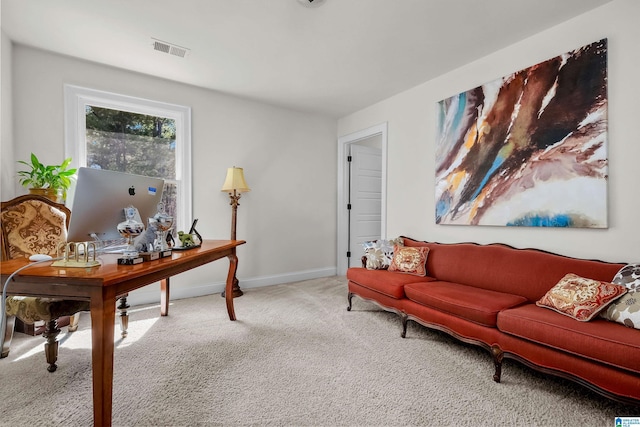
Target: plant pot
x: 49, y: 193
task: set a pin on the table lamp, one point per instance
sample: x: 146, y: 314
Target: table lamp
x: 234, y: 184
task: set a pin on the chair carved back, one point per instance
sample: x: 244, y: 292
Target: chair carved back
x: 32, y: 224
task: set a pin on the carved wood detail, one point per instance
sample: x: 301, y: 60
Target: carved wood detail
x: 51, y: 346
x: 405, y: 322
x: 124, y: 315
x: 384, y: 307
x: 498, y: 355
x: 572, y: 378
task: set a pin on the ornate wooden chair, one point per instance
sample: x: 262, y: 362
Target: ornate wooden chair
x: 30, y: 225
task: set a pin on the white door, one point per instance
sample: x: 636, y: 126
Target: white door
x: 365, y: 199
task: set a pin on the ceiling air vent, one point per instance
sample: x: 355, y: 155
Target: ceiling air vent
x: 169, y: 48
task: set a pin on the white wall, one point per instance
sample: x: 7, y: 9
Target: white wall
x: 411, y: 118
x: 288, y: 219
x: 7, y: 163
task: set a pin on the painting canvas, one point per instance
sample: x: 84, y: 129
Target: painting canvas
x: 528, y: 149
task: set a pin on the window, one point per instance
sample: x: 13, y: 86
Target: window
x: 126, y: 134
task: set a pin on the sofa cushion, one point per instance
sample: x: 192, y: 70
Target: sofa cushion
x: 626, y: 309
x: 598, y: 339
x: 34, y: 309
x: 410, y: 260
x: 628, y: 276
x: 474, y: 304
x: 386, y: 282
x: 384, y: 301
x: 580, y: 298
x: 379, y: 253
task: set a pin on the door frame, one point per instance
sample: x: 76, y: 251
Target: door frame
x: 344, y: 144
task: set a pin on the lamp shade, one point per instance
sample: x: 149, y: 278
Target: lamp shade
x: 235, y: 181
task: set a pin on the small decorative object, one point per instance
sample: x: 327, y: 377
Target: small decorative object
x: 162, y: 223
x: 189, y: 240
x: 145, y: 242
x: 186, y: 240
x: 76, y: 255
x: 130, y: 228
x: 51, y: 181
x: 235, y: 184
x: 197, y: 238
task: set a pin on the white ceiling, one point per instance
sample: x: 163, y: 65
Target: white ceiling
x: 334, y: 59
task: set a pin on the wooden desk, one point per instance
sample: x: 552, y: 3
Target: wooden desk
x: 100, y: 285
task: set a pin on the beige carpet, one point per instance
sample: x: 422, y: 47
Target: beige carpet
x: 294, y: 357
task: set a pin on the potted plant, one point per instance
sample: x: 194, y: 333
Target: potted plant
x: 51, y: 181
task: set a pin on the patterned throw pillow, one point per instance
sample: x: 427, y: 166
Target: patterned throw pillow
x: 379, y: 253
x: 410, y: 260
x: 626, y: 310
x: 580, y: 298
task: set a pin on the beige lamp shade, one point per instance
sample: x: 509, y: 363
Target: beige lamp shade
x: 235, y: 181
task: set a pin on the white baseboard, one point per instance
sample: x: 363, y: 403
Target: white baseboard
x: 151, y: 295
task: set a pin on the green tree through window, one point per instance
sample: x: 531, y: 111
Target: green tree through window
x: 133, y: 143
x: 133, y: 135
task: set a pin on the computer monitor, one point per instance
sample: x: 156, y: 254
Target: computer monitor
x: 98, y: 202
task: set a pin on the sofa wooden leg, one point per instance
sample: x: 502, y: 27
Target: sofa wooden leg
x: 498, y: 355
x: 349, y: 298
x: 124, y: 316
x: 51, y: 332
x: 405, y: 321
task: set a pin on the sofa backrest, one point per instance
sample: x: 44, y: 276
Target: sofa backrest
x: 526, y: 272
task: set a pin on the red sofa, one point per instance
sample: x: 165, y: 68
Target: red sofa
x: 486, y: 294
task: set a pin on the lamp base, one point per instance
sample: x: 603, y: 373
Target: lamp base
x: 235, y: 290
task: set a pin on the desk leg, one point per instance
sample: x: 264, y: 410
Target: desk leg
x: 103, y: 317
x: 164, y: 297
x: 233, y: 266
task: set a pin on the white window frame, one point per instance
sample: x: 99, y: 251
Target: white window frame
x: 76, y: 99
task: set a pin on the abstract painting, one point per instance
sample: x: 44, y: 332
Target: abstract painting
x: 528, y: 149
